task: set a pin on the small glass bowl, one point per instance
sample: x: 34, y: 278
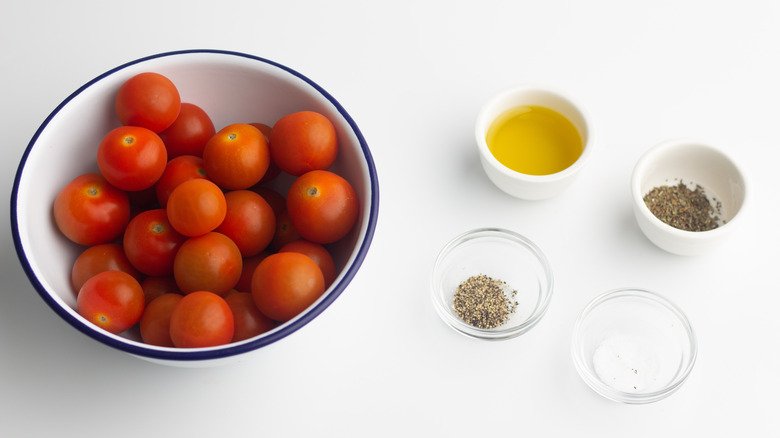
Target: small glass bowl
x: 633, y: 346
x: 502, y: 255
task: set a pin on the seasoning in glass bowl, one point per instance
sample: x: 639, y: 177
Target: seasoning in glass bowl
x: 683, y: 208
x: 484, y: 302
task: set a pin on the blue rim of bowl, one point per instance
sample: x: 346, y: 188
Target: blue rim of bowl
x: 231, y: 349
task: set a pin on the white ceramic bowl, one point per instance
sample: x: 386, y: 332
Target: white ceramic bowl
x: 231, y: 87
x: 520, y: 185
x: 689, y: 161
x: 502, y: 255
x: 633, y: 346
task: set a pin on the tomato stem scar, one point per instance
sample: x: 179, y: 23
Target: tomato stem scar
x: 312, y: 191
x: 232, y: 136
x: 128, y: 140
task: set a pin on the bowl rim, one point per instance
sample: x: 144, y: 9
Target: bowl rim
x: 482, y: 120
x: 621, y: 396
x: 498, y: 333
x: 650, y: 155
x: 227, y: 350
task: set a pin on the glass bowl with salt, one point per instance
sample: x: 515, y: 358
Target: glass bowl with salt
x: 633, y: 346
x: 491, y: 284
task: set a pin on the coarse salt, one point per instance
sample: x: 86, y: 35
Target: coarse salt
x: 627, y: 364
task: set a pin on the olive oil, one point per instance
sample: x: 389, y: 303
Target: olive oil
x: 534, y: 140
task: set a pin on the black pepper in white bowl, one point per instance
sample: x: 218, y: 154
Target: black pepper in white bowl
x: 688, y: 196
x: 491, y: 283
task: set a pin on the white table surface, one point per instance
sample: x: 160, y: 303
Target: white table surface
x: 413, y: 74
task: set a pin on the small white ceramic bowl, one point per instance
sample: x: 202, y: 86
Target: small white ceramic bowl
x: 231, y: 87
x: 523, y: 186
x: 694, y: 163
x: 502, y: 255
x: 633, y: 346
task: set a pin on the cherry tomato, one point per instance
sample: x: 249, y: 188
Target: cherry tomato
x: 196, y: 207
x: 303, y: 141
x: 273, y: 170
x: 99, y: 258
x: 247, y: 269
x: 156, y: 286
x: 155, y: 324
x: 89, y: 210
x: 265, y: 129
x: 286, y: 283
x: 131, y: 157
x: 248, y: 321
x: 250, y: 222
x: 210, y: 262
x: 148, y: 99
x: 316, y: 252
x: 151, y: 243
x: 112, y: 300
x: 272, y: 197
x: 178, y: 170
x: 323, y: 206
x: 189, y: 132
x: 236, y: 157
x: 285, y: 231
x: 201, y: 319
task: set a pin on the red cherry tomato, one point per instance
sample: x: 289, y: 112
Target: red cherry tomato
x: 99, y: 258
x: 179, y: 169
x: 272, y: 197
x: 285, y: 284
x: 210, y: 262
x: 247, y: 269
x: 89, y: 210
x: 273, y: 170
x: 265, y: 129
x: 151, y: 243
x: 236, y: 157
x: 285, y: 231
x: 148, y: 99
x: 112, y: 300
x: 196, y: 207
x: 323, y: 206
x: 156, y: 286
x: 316, y: 252
x: 201, y: 319
x: 155, y: 324
x: 302, y: 142
x: 131, y: 157
x: 250, y: 222
x: 189, y: 132
x: 248, y: 321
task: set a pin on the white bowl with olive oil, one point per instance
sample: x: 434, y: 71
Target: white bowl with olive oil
x: 533, y: 141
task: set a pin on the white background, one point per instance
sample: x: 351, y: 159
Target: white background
x: 413, y: 74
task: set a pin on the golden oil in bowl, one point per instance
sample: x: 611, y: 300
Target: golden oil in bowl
x: 534, y: 140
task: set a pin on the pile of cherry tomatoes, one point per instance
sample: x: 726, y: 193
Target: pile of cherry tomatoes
x: 184, y: 238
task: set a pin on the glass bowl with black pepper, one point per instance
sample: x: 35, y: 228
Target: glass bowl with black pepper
x: 688, y: 196
x: 633, y: 346
x: 491, y: 284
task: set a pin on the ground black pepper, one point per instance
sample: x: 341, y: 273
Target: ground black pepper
x: 683, y: 208
x: 482, y: 302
